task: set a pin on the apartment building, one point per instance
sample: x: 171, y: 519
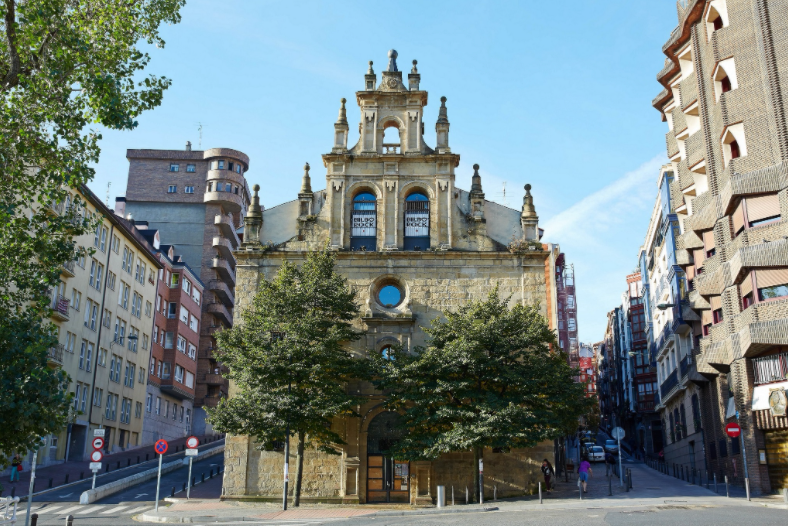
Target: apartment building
x: 566, y: 307
x: 196, y: 200
x: 172, y: 367
x: 103, y: 311
x: 727, y: 140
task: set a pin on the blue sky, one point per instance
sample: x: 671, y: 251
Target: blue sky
x: 555, y: 94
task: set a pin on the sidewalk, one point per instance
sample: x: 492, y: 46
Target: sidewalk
x: 650, y: 488
x: 69, y: 472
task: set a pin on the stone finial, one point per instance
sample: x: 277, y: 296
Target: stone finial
x: 306, y: 182
x: 255, y: 206
x: 370, y: 71
x: 392, y: 60
x: 528, y: 204
x: 342, y: 119
x: 414, y: 70
x: 476, y: 181
x: 443, y: 116
x: 188, y: 146
x: 253, y: 221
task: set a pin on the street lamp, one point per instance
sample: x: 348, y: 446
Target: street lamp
x: 664, y: 306
x: 131, y: 338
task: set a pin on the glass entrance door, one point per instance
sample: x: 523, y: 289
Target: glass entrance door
x: 387, y: 480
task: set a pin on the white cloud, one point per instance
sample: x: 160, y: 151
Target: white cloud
x: 590, y: 221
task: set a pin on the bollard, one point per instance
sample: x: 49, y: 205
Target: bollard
x: 118, y: 465
x: 194, y: 479
x: 81, y: 475
x: 34, y: 519
x: 495, y: 493
x: 50, y: 482
x: 176, y: 449
x: 452, y: 495
x: 146, y: 457
x: 107, y: 467
x: 128, y: 462
x: 715, y: 484
x: 626, y: 479
x: 610, y: 485
x: 66, y: 482
x: 184, y: 487
x: 747, y: 486
x: 580, y: 488
x: 441, y: 497
x: 70, y: 520
x: 540, y: 493
x: 138, y: 459
x: 172, y: 493
x: 707, y: 479
x: 203, y: 477
x: 785, y: 495
x: 727, y: 492
x: 210, y: 475
x: 13, y: 492
x: 466, y: 494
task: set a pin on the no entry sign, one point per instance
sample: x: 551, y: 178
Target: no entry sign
x: 733, y: 430
x: 161, y: 446
x: 192, y: 442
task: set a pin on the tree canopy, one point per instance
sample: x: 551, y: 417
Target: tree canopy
x: 287, y: 358
x: 489, y: 377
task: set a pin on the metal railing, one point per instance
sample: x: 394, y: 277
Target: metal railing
x: 56, y: 353
x: 670, y: 382
x: 770, y: 368
x: 684, y: 365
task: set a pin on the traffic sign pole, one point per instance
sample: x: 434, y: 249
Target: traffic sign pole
x: 189, y: 481
x: 158, y: 483
x: 94, y: 480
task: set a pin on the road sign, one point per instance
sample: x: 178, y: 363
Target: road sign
x: 618, y: 433
x: 99, y: 432
x: 98, y: 443
x: 95, y: 466
x: 161, y: 446
x: 733, y: 430
x: 192, y: 442
x: 191, y: 452
x: 96, y: 456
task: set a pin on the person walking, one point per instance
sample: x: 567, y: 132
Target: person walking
x: 16, y: 467
x: 585, y: 471
x: 548, y: 472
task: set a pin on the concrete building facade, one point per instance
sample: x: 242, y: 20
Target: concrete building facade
x: 196, y: 199
x: 103, y: 310
x: 724, y: 82
x: 412, y: 245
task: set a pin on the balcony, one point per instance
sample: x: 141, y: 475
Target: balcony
x: 389, y: 148
x: 222, y: 291
x: 230, y: 201
x: 55, y: 356
x: 684, y: 366
x: 224, y: 222
x: 223, y: 247
x: 212, y: 379
x: 68, y: 269
x: 670, y: 387
x: 211, y: 400
x: 226, y: 272
x: 60, y: 308
x: 221, y: 312
x: 176, y: 391
x: 210, y: 330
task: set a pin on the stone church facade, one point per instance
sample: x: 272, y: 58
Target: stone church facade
x: 412, y: 245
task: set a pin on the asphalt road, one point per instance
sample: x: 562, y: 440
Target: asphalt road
x: 71, y: 493
x: 666, y: 515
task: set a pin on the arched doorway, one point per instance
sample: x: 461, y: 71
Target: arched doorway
x: 417, y: 222
x: 388, y: 480
x: 364, y: 224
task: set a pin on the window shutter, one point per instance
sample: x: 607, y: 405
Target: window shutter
x: 738, y: 218
x: 762, y: 207
x: 771, y: 278
x: 716, y: 302
x: 746, y: 285
x: 708, y: 240
x: 706, y: 317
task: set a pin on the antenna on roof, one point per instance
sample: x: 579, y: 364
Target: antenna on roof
x: 108, y: 185
x: 199, y: 129
x: 502, y: 196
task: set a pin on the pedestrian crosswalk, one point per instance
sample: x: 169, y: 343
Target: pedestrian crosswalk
x: 58, y: 510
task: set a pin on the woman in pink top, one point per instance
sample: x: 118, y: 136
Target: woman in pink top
x: 585, y: 471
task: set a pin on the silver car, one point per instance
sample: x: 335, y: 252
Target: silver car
x: 596, y: 454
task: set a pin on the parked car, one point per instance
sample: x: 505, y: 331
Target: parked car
x: 611, y: 446
x: 596, y: 454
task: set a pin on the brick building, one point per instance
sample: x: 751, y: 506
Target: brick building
x: 724, y: 81
x: 196, y: 200
x: 412, y: 244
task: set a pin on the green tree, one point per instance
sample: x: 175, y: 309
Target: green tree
x: 288, y: 360
x: 65, y: 65
x: 488, y: 378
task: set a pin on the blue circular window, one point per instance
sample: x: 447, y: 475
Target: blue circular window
x: 390, y: 296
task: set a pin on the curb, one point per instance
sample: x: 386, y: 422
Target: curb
x: 92, y: 495
x: 152, y: 517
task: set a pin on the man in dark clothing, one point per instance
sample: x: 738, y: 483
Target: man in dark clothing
x: 610, y: 462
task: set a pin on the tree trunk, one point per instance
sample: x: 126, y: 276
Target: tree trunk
x: 477, y: 455
x: 299, y: 469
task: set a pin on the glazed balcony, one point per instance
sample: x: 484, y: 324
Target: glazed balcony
x: 224, y: 222
x: 222, y: 291
x: 225, y: 271
x: 223, y: 246
x: 221, y: 312
x: 212, y: 379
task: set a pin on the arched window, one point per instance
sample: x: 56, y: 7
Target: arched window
x: 734, y: 144
x: 417, y: 222
x: 363, y: 222
x: 387, y: 352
